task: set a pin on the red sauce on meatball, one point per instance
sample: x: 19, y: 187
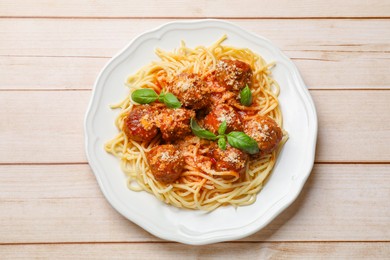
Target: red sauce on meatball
x: 140, y: 125
x: 221, y: 113
x: 230, y: 159
x: 166, y: 163
x: 234, y: 75
x: 174, y: 124
x: 265, y: 131
x: 191, y: 90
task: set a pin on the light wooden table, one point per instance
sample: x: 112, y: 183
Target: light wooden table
x: 50, y: 55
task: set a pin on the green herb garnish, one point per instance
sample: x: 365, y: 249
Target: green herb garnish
x: 147, y: 95
x: 238, y: 140
x: 243, y: 142
x: 222, y: 143
x: 200, y: 132
x: 169, y: 100
x: 246, y: 96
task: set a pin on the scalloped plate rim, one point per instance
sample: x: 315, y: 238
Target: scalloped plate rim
x: 221, y: 235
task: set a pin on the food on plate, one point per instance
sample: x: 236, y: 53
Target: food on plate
x: 166, y: 162
x: 139, y: 124
x: 222, y: 113
x: 190, y: 89
x: 200, y: 128
x: 233, y: 75
x: 174, y: 124
x: 265, y: 131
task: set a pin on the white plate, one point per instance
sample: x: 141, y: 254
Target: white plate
x: 225, y: 223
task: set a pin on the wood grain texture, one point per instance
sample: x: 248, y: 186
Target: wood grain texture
x: 200, y: 8
x: 352, y: 124
x: 217, y: 251
x: 104, y: 37
x: 42, y: 126
x: 32, y: 73
x: 329, y: 53
x: 62, y: 203
x: 47, y: 126
x: 52, y: 51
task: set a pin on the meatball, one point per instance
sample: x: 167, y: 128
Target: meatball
x: 174, y: 124
x: 226, y: 97
x: 222, y: 113
x: 191, y: 90
x: 139, y: 125
x: 166, y: 163
x: 230, y: 159
x: 265, y: 131
x: 234, y: 75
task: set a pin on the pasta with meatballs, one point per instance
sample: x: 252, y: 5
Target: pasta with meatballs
x: 200, y: 128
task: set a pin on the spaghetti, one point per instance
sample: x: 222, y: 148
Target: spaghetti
x: 199, y: 186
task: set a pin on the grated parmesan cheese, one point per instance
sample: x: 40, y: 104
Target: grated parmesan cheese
x: 184, y: 85
x: 232, y: 157
x: 165, y: 156
x: 259, y: 131
x: 146, y: 123
x: 224, y: 116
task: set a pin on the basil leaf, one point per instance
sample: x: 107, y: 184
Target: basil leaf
x: 200, y: 132
x: 246, y: 96
x: 170, y: 100
x: 144, y: 96
x: 243, y: 142
x: 222, y: 128
x: 161, y: 97
x: 222, y: 143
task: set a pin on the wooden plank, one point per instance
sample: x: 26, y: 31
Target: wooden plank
x: 343, y: 250
x: 62, y: 203
x: 36, y: 126
x: 354, y: 126
x: 200, y: 8
x: 334, y: 39
x: 49, y: 72
x: 356, y: 53
x: 80, y: 72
